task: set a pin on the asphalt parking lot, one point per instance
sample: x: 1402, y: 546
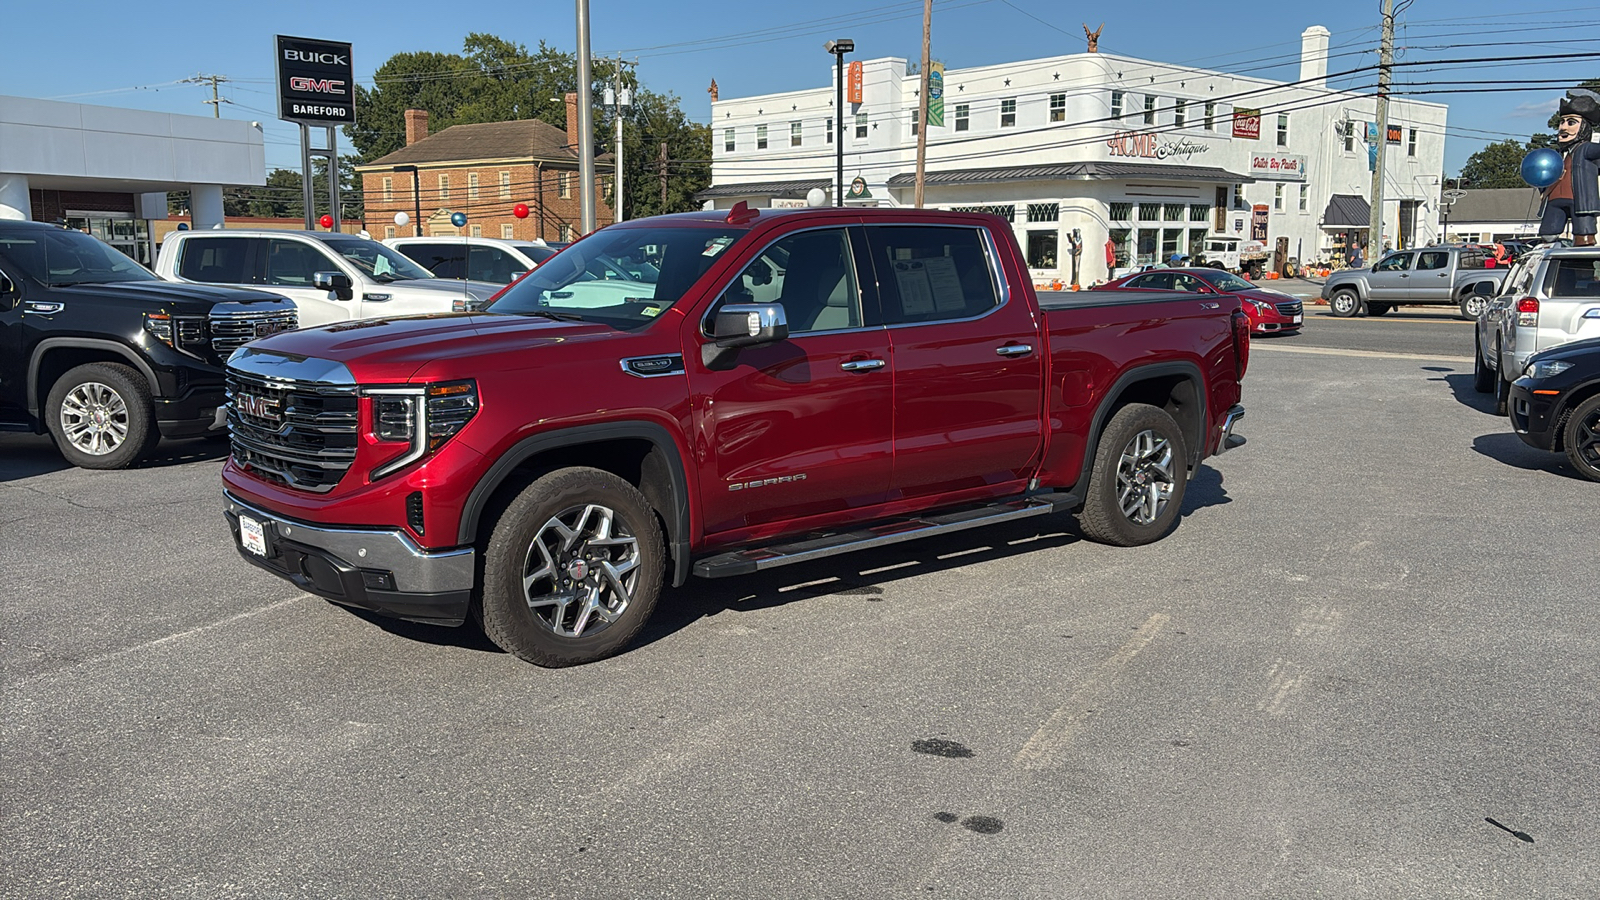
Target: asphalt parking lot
x: 1361, y: 667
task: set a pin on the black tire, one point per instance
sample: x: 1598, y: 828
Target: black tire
x: 1141, y: 447
x: 1502, y: 395
x: 1379, y: 309
x: 1472, y: 306
x: 1344, y: 303
x: 1483, y: 377
x: 101, y: 416
x: 1214, y: 265
x: 1581, y: 436
x: 557, y: 513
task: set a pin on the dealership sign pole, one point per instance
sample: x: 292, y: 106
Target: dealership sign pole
x: 316, y: 88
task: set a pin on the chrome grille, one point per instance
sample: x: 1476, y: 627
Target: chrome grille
x: 232, y: 330
x: 1290, y: 309
x: 296, y: 433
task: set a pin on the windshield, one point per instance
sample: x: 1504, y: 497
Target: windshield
x: 591, y: 280
x: 381, y: 262
x: 1224, y: 281
x: 60, y: 257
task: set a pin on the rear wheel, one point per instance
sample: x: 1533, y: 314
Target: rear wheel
x: 573, y: 569
x: 1473, y: 305
x: 101, y: 416
x: 1344, y: 303
x: 1137, y: 484
x: 1483, y: 377
x: 1582, y: 438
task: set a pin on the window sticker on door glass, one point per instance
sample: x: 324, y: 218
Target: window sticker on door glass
x: 945, y: 283
x: 716, y: 245
x: 381, y: 265
x: 916, y: 295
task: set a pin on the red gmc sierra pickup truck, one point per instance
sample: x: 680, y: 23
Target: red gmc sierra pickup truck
x: 775, y: 387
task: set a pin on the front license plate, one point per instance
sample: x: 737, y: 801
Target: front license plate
x: 1297, y: 319
x: 251, y: 536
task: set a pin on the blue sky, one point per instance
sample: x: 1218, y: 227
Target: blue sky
x: 117, y: 54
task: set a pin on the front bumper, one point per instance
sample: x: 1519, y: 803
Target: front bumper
x: 377, y: 569
x: 1533, y: 416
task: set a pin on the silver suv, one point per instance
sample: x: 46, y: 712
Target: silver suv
x: 1550, y: 297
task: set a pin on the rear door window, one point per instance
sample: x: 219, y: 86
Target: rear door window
x: 442, y: 259
x: 491, y: 264
x: 1430, y: 260
x: 930, y: 273
x: 215, y: 260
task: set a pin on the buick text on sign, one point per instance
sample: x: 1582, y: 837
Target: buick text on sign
x: 315, y: 81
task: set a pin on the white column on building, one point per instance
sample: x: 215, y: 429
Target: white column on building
x: 205, y: 205
x: 14, y: 203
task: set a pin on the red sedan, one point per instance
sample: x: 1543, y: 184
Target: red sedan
x: 1270, y: 312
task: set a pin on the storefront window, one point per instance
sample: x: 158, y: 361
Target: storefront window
x: 1171, y: 242
x: 1121, y: 212
x: 1173, y: 212
x: 1197, y: 244
x: 120, y: 230
x: 1044, y: 212
x: 1147, y: 246
x: 1042, y: 249
x: 1149, y: 212
x: 1121, y: 245
x: 1199, y: 212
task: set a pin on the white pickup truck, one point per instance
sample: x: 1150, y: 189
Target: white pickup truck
x: 330, y: 277
x: 1234, y: 254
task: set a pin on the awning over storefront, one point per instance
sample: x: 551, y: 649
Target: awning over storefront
x: 1075, y: 171
x: 1346, y: 212
x: 787, y: 189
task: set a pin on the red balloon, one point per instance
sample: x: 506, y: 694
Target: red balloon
x: 326, y: 221
x: 520, y: 210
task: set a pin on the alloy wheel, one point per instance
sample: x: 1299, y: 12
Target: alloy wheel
x: 581, y: 571
x: 1586, y: 439
x: 94, y: 418
x: 1145, y: 479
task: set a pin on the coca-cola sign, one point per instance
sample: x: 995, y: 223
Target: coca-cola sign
x: 1247, y: 124
x: 1277, y: 167
x: 1149, y: 146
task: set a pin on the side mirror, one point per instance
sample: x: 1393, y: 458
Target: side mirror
x: 1483, y: 288
x: 739, y: 325
x: 337, y: 282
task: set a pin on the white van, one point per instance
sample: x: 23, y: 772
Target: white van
x: 330, y: 277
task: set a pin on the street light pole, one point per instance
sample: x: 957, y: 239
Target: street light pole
x: 585, y: 146
x: 839, y: 48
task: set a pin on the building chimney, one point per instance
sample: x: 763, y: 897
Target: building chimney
x: 416, y: 125
x: 713, y: 90
x: 1314, y: 58
x: 572, y: 123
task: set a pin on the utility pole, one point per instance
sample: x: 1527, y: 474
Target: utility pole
x: 922, y: 107
x: 215, y: 101
x: 618, y: 97
x: 663, y: 165
x: 1385, y: 71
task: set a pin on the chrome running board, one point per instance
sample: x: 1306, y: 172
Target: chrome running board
x: 893, y: 531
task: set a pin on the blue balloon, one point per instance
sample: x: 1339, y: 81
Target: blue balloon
x: 1542, y: 167
x: 458, y: 219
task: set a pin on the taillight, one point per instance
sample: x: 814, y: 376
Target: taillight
x: 1241, y: 344
x: 1528, y: 311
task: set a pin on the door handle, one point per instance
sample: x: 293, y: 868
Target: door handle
x: 862, y: 365
x: 43, y: 307
x: 1014, y: 350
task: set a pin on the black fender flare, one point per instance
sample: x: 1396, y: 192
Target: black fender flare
x: 1108, y: 404
x: 77, y: 343
x: 677, y: 518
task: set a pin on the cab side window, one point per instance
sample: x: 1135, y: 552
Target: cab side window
x: 1433, y: 260
x: 1156, y: 281
x: 812, y: 273
x: 443, y: 260
x: 1396, y: 263
x: 214, y: 260
x: 292, y: 264
x: 931, y: 273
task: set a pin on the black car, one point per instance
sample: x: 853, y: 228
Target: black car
x: 106, y: 357
x: 1555, y: 405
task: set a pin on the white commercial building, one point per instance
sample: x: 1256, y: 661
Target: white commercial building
x: 107, y: 171
x: 1137, y: 160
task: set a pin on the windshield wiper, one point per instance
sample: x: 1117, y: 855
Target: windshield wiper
x: 548, y: 314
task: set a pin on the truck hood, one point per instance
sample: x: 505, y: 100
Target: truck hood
x: 435, y: 287
x: 394, y: 350
x: 168, y: 296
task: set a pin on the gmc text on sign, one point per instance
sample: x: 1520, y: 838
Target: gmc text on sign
x: 315, y: 81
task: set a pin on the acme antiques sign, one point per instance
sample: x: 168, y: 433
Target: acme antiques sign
x: 1145, y: 145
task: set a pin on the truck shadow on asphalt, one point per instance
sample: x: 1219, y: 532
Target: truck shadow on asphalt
x: 852, y: 574
x: 1505, y: 447
x: 29, y: 455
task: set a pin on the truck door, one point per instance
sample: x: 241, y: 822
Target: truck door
x: 1433, y: 278
x: 1391, y: 278
x: 800, y: 428
x: 968, y: 362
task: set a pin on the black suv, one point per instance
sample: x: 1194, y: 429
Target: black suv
x: 105, y: 356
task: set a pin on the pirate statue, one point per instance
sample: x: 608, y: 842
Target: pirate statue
x: 1575, y: 195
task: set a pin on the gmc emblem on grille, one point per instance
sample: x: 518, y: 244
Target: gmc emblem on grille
x: 256, y: 407
x: 265, y: 328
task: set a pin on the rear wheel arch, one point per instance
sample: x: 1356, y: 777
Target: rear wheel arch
x: 642, y: 453
x: 54, y: 357
x: 1178, y: 388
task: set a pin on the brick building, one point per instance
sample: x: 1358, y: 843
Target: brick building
x: 484, y: 171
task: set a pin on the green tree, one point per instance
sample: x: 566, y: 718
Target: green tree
x: 1497, y: 165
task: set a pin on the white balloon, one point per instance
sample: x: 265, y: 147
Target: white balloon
x: 816, y: 197
x: 401, y: 218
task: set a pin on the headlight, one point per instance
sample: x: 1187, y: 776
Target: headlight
x: 424, y: 417
x: 1545, y: 368
x: 1264, y: 307
x: 178, y: 332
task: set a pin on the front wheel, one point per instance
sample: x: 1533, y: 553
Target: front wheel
x: 573, y: 569
x: 101, y: 416
x: 1582, y: 439
x: 1344, y: 303
x: 1136, y: 486
x: 1473, y: 305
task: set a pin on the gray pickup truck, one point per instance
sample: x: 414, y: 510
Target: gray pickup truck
x: 1430, y: 276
